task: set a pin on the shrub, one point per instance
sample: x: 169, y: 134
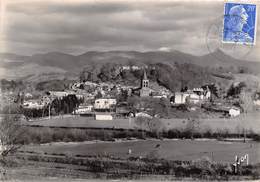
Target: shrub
x: 204, y: 164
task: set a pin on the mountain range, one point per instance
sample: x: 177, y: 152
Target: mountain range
x: 56, y: 64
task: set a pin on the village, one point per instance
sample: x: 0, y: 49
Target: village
x: 107, y: 101
x: 129, y: 91
x: 113, y: 122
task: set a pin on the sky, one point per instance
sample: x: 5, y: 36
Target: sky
x: 77, y: 26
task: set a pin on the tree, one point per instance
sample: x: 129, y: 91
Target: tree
x: 11, y: 138
x: 122, y: 97
x: 246, y: 99
x: 235, y: 90
x: 153, y: 125
x: 141, y: 122
x: 243, y: 69
x: 99, y: 95
x: 133, y: 101
x: 11, y: 109
x: 82, y: 76
x: 193, y: 126
x: 11, y: 130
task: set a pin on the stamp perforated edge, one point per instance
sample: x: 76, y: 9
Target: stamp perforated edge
x: 255, y: 28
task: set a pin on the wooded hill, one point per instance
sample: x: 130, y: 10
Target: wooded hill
x: 173, y: 69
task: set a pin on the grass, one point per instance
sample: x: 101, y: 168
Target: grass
x: 38, y: 135
x: 133, y: 167
x: 186, y: 150
x: 71, y: 128
x: 73, y: 121
x: 233, y: 125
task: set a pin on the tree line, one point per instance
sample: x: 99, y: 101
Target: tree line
x: 58, y: 106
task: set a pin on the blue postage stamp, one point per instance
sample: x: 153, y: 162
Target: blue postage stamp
x: 239, y: 23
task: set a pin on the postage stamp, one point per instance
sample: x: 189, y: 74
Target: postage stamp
x: 239, y: 24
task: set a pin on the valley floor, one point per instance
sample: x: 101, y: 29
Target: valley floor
x: 250, y: 122
x: 184, y: 150
x: 112, y: 160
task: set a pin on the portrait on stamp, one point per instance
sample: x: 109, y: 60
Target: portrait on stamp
x: 239, y: 23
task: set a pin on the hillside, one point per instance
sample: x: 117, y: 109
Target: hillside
x: 173, y: 77
x: 59, y: 66
x: 73, y: 63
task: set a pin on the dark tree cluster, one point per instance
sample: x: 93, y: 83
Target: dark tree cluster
x: 7, y: 85
x: 55, y: 85
x: 58, y: 106
x: 66, y: 105
x: 173, y: 77
x: 180, y: 76
x: 154, y: 106
x: 35, y: 113
x: 235, y: 90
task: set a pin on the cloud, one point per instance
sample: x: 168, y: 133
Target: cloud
x: 35, y: 26
x: 165, y: 49
x: 57, y: 7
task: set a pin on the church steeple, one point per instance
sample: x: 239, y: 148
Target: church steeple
x: 145, y: 91
x: 144, y: 76
x: 145, y: 81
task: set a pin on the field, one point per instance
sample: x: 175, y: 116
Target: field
x: 232, y: 125
x: 73, y: 121
x: 163, y: 149
x: 81, y: 147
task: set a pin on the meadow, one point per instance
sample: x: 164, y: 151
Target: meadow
x: 250, y: 122
x: 184, y: 150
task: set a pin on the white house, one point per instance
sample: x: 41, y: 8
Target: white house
x: 103, y: 116
x: 233, y: 112
x: 257, y: 102
x: 28, y: 95
x: 90, y: 84
x: 104, y: 103
x: 33, y: 104
x: 194, y: 98
x: 84, y: 109
x: 159, y: 96
x: 143, y: 114
x: 208, y: 94
x: 198, y: 90
x: 58, y: 94
x: 180, y: 97
x: 80, y: 96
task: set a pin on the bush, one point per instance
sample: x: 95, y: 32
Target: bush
x: 39, y: 135
x: 204, y: 164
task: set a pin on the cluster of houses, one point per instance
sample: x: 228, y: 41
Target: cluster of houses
x: 200, y: 96
x: 195, y: 96
x: 110, y: 90
x: 90, y: 89
x: 231, y: 111
x: 104, y: 106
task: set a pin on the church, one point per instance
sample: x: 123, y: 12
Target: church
x: 145, y: 90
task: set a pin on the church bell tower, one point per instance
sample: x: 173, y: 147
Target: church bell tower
x: 145, y: 81
x: 145, y: 90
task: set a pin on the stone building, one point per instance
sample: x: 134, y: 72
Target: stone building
x: 145, y: 91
